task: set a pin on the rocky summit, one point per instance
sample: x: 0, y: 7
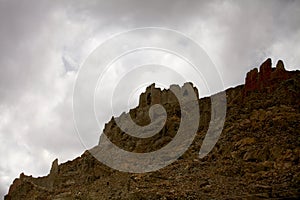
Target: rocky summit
x: 256, y: 157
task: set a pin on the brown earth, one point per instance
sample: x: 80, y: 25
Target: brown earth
x: 256, y: 157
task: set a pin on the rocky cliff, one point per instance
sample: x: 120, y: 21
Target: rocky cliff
x: 267, y: 78
x: 257, y: 155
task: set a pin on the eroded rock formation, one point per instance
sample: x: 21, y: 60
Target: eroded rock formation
x: 257, y: 155
x: 267, y: 79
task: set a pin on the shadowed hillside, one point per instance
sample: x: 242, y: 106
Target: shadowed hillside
x: 257, y: 155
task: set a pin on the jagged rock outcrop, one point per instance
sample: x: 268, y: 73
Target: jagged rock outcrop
x: 140, y: 115
x: 25, y: 186
x: 257, y: 155
x: 267, y: 79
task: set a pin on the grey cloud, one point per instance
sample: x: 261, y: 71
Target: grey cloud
x: 237, y: 35
x: 21, y: 25
x: 44, y: 42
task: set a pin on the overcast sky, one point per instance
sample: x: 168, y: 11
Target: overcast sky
x: 44, y: 43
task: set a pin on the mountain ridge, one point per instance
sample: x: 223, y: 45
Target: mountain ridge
x: 256, y: 156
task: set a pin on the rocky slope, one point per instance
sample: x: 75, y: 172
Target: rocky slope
x: 257, y: 155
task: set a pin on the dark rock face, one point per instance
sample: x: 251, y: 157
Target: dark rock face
x: 140, y: 115
x: 265, y: 73
x: 256, y: 157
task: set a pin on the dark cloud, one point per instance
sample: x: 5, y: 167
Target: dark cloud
x: 42, y: 43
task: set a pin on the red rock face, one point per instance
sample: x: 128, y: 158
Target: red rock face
x: 280, y: 73
x: 251, y: 80
x: 265, y: 71
x: 266, y: 79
